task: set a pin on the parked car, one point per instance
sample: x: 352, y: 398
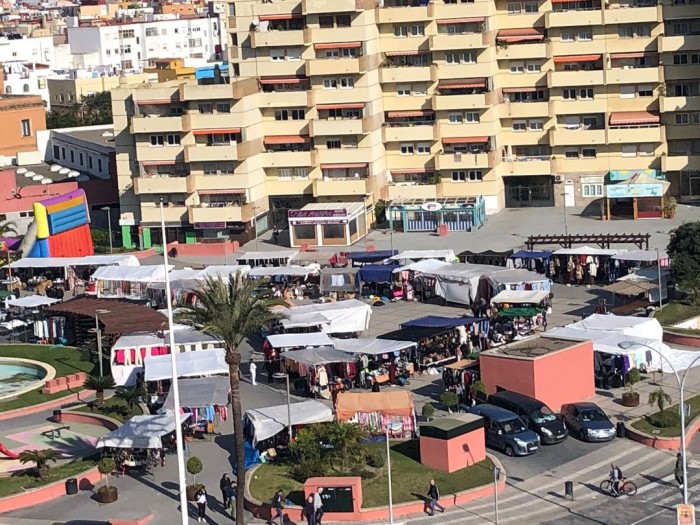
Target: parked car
x: 588, y: 421
x: 505, y: 431
x: 536, y: 415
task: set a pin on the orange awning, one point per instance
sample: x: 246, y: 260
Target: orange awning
x: 405, y: 53
x: 339, y: 45
x: 220, y: 192
x: 637, y: 54
x: 520, y: 35
x: 399, y: 114
x: 577, y: 58
x: 159, y: 163
x: 633, y: 117
x: 155, y: 102
x: 464, y: 140
x: 285, y: 80
x: 347, y: 165
x: 388, y: 403
x: 523, y: 90
x: 288, y: 16
x: 460, y: 21
x: 359, y: 105
x: 216, y: 131
x: 286, y: 139
x: 463, y: 84
x: 408, y: 171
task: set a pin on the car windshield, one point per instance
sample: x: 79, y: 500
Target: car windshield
x: 543, y: 415
x: 592, y: 415
x: 513, y: 426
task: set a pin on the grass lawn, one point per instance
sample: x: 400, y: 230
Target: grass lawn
x: 673, y: 431
x: 410, y: 479
x: 676, y: 312
x: 114, y: 407
x: 20, y: 482
x: 66, y: 360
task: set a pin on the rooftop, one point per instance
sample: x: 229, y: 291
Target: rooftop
x: 531, y: 348
x: 44, y: 171
x: 453, y: 421
x: 99, y: 135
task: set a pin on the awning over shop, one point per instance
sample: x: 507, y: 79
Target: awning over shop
x: 520, y: 297
x: 388, y: 403
x: 306, y: 321
x: 134, y: 274
x: 519, y: 312
x: 197, y: 363
x: 376, y: 273
x: 200, y: 392
x: 463, y: 84
x: 444, y: 323
x: 642, y: 256
x: 299, y: 340
x: 31, y: 301
x: 371, y: 346
x: 269, y: 421
x: 141, y: 432
x: 626, y: 118
x: 318, y: 356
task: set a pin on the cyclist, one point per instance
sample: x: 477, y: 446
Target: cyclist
x: 615, y: 478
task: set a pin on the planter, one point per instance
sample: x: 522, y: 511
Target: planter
x: 107, y: 495
x: 191, y: 490
x: 630, y: 399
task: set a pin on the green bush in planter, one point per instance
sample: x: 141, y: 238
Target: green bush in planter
x: 449, y: 399
x: 106, y: 466
x: 194, y: 467
x: 376, y: 458
x: 664, y: 419
x: 428, y: 411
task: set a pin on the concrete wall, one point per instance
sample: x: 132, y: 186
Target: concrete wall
x: 453, y: 454
x: 507, y: 373
x: 565, y: 376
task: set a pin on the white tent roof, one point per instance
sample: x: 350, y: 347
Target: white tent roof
x: 197, y: 363
x: 424, y: 265
x: 270, y: 271
x: 299, y: 340
x: 187, y: 336
x: 371, y: 346
x: 520, y: 296
x: 345, y: 316
x: 641, y: 255
x: 646, y: 327
x: 222, y: 272
x: 134, y: 274
x: 305, y: 321
x: 141, y: 432
x: 587, y: 250
x: 270, y: 421
x: 514, y: 276
x: 318, y: 356
x: 416, y: 255
x: 268, y: 256
x: 200, y: 391
x: 646, y: 274
x: 32, y: 301
x: 62, y: 262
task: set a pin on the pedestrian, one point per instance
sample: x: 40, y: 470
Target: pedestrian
x: 275, y: 234
x: 276, y: 513
x: 270, y: 371
x: 310, y: 510
x: 230, y: 494
x: 318, y: 505
x: 201, y: 499
x: 253, y: 372
x: 678, y: 471
x: 162, y: 456
x: 434, y: 495
x: 224, y: 482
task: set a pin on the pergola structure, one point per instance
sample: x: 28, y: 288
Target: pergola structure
x: 640, y: 240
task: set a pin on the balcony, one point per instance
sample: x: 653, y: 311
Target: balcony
x: 343, y: 156
x: 329, y: 7
x: 635, y: 135
x: 207, y: 92
x: 645, y: 75
x: 523, y: 138
x: 680, y: 163
x: 524, y: 167
x: 444, y: 42
x: 635, y: 15
x: 279, y: 68
x: 332, y: 66
x: 149, y: 185
x: 593, y: 17
x: 669, y: 104
x: 320, y: 127
x: 221, y: 182
x: 681, y: 72
x: 680, y: 11
x: 316, y: 35
x: 202, y: 121
x: 640, y: 162
x: 463, y: 161
x: 398, y: 15
x: 576, y: 137
x: 338, y: 96
x: 151, y: 124
x: 220, y: 214
x: 574, y: 107
x: 394, y: 103
x: 457, y: 102
x: 205, y: 153
x: 457, y: 71
x: 524, y: 110
x: 507, y: 80
x: 675, y: 133
x: 388, y: 43
x: 409, y: 190
x: 563, y: 165
x: 575, y: 78
x: 597, y: 46
x: 340, y: 187
x: 405, y: 74
x: 274, y: 186
x: 286, y: 159
x: 521, y: 51
x: 480, y: 129
x: 147, y: 153
x: 632, y: 45
x: 287, y: 99
x: 150, y: 214
x: 449, y: 188
x: 279, y: 7
x: 276, y: 38
x: 409, y: 133
x: 442, y: 11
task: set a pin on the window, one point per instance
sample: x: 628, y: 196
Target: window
x: 127, y: 64
x: 406, y: 149
x: 223, y: 107
x: 209, y: 168
x: 531, y: 7
x: 584, y: 35
x: 517, y: 68
x: 195, y: 42
x: 157, y: 140
x: 26, y: 128
x: 153, y: 31
x: 80, y: 159
x: 592, y: 189
x: 99, y: 165
x: 89, y: 162
x: 346, y: 83
x: 126, y: 33
x: 459, y: 176
x: 330, y: 83
x: 423, y: 148
x: 334, y: 231
x: 63, y: 153
x: 586, y: 94
x: 588, y: 153
x: 571, y: 153
x: 569, y: 94
x: 277, y: 55
x: 474, y: 175
x: 645, y: 91
x: 680, y: 60
x: 567, y: 36
x: 533, y: 67
x: 453, y: 58
x: 646, y: 150
x: 629, y: 150
x: 628, y: 91
x: 535, y: 125
x: 284, y: 173
x: 56, y: 152
x: 519, y: 125
x: 334, y: 143
x: 514, y: 8
x: 173, y: 140
x: 455, y: 118
x: 72, y: 157
x: 206, y: 108
x: 297, y: 114
x: 403, y: 90
x: 682, y: 119
x: 400, y: 31
x: 472, y: 116
x: 125, y: 50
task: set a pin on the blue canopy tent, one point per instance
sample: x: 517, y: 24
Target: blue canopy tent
x: 442, y: 323
x: 527, y: 254
x: 362, y: 258
x: 376, y: 273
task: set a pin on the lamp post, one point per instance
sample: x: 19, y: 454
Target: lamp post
x: 566, y: 216
x: 109, y: 226
x: 626, y: 345
x: 496, y: 476
x: 255, y: 224
x: 184, y: 513
x: 388, y: 468
x: 658, y: 269
x: 281, y: 375
x: 98, y: 335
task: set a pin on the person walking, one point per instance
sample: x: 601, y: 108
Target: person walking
x: 310, y: 510
x: 434, y: 495
x: 678, y: 471
x: 201, y: 500
x: 277, y: 508
x: 318, y: 505
x: 224, y: 483
x: 231, y: 492
x: 253, y: 372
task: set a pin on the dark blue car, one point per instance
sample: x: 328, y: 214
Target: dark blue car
x: 588, y: 421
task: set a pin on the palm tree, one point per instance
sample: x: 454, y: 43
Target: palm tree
x: 99, y: 385
x: 40, y: 458
x: 660, y: 398
x: 8, y: 227
x: 231, y: 311
x: 130, y: 395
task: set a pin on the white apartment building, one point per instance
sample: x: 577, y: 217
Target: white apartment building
x: 34, y: 49
x: 130, y: 46
x: 27, y: 78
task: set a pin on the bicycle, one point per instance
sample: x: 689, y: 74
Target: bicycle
x: 627, y: 487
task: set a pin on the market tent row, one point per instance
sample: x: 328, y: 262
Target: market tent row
x: 282, y: 271
x: 31, y: 301
x: 490, y: 257
x: 588, y: 250
x: 529, y: 259
x: 350, y: 316
x: 124, y: 281
x: 276, y: 258
x: 265, y: 423
x: 437, y: 322
x: 520, y: 297
x: 189, y: 364
x: 200, y: 392
x: 299, y: 340
x: 391, y: 410
x: 371, y: 346
x: 407, y: 256
x: 318, y: 356
x: 65, y: 262
x: 643, y: 256
x: 423, y: 266
x: 364, y: 258
x: 141, y: 432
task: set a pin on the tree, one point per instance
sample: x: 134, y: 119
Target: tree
x: 428, y: 411
x: 684, y: 251
x: 106, y: 466
x: 8, y: 229
x: 130, y: 395
x: 449, y: 399
x: 659, y: 398
x: 99, y: 385
x: 92, y: 110
x: 194, y: 467
x: 40, y: 458
x: 231, y: 311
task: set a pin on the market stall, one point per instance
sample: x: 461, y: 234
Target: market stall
x: 379, y: 411
x: 374, y: 257
x: 263, y: 424
x: 205, y: 400
x: 274, y: 345
x: 143, y: 432
x: 586, y: 265
x: 339, y: 281
x: 380, y: 360
x: 326, y: 370
x: 30, y: 301
x: 189, y: 364
x: 276, y: 258
x: 306, y: 323
x: 536, y: 261
x: 409, y: 256
x: 535, y: 298
x: 345, y: 317
x: 639, y: 197
x: 125, y: 282
x: 490, y: 257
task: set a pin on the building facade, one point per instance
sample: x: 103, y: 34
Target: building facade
x: 65, y: 92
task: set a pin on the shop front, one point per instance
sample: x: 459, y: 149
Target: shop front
x: 419, y: 215
x: 639, y: 197
x: 327, y: 224
x: 529, y: 192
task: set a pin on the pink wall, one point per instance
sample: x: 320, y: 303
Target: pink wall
x: 208, y: 249
x: 508, y: 373
x: 29, y: 194
x: 565, y: 376
x: 681, y: 339
x: 56, y: 403
x: 453, y: 454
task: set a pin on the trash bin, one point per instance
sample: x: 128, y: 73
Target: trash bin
x: 621, y: 430
x: 71, y: 486
x: 57, y: 416
x: 569, y: 490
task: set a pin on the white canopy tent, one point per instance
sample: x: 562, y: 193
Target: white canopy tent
x: 200, y: 392
x: 371, y: 346
x: 63, y: 262
x: 31, y: 301
x: 270, y: 421
x: 587, y: 250
x: 299, y: 340
x: 318, y: 356
x: 417, y: 255
x: 642, y: 256
x: 198, y: 363
x: 424, y: 266
x: 351, y: 316
x: 134, y: 274
x: 520, y: 297
x: 254, y: 258
x: 307, y: 321
x: 141, y: 432
x: 273, y: 271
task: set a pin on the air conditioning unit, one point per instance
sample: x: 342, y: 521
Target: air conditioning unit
x: 557, y: 178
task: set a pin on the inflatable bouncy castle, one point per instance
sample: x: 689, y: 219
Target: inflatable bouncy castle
x: 61, y: 227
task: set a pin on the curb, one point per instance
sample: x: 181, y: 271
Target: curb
x: 54, y: 403
x: 658, y: 442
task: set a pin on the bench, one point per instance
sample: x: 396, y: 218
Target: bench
x: 53, y: 432
x: 60, y: 384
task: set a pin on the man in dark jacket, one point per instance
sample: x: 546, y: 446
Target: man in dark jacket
x: 434, y: 495
x: 224, y: 482
x: 277, y: 508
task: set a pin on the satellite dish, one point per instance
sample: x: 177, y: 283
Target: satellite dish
x: 21, y: 170
x: 37, y: 177
x: 56, y: 167
x: 82, y: 178
x: 64, y: 171
x: 46, y: 181
x: 29, y: 174
x: 73, y: 173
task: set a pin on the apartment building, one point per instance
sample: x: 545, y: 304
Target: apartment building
x: 68, y: 90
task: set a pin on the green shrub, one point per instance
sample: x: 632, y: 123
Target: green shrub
x: 194, y: 467
x: 307, y: 469
x: 449, y: 399
x: 376, y: 458
x: 664, y: 419
x: 428, y: 411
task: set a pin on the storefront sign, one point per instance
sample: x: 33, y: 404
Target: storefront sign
x: 685, y: 514
x: 621, y: 191
x: 431, y: 206
x: 620, y: 175
x: 318, y: 214
x: 209, y: 225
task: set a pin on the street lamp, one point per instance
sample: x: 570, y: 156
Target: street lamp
x: 255, y: 223
x: 626, y: 345
x: 98, y: 335
x: 566, y: 224
x: 388, y: 468
x: 109, y: 226
x: 496, y: 476
x: 282, y: 375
